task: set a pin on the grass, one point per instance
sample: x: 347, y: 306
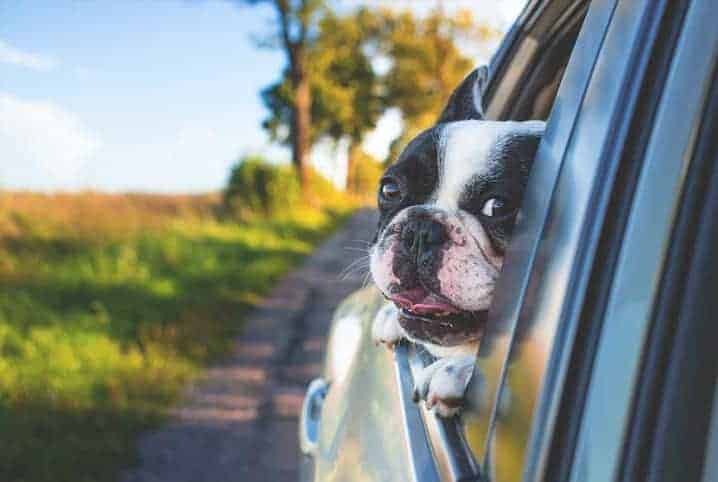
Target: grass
x: 109, y: 305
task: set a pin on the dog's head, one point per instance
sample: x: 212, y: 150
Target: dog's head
x: 447, y: 208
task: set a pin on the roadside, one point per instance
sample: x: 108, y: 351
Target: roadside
x: 240, y: 422
x: 110, y: 304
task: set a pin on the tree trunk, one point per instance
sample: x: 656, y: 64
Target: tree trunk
x: 301, y: 122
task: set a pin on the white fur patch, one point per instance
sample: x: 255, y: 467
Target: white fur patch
x: 443, y: 382
x: 464, y: 149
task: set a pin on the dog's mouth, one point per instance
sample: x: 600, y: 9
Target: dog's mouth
x: 429, y: 317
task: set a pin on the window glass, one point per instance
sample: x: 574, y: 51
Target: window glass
x: 539, y: 59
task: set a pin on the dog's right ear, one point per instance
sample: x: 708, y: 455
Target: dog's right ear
x: 466, y: 101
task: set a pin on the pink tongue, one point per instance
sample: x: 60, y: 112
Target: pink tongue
x: 419, y: 301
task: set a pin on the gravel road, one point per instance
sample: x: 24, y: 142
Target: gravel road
x: 239, y: 423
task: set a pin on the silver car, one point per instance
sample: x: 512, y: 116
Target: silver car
x: 603, y: 361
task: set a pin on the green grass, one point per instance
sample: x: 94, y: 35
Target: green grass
x: 106, y: 314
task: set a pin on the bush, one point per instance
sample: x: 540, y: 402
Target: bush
x: 257, y: 187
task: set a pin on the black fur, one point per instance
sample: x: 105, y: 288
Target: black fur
x: 462, y: 103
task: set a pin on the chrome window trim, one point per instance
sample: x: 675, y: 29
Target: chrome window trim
x: 423, y: 465
x: 453, y: 456
x: 628, y: 314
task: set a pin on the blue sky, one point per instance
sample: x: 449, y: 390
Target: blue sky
x: 149, y: 96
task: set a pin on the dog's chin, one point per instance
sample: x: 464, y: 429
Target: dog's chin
x: 450, y: 329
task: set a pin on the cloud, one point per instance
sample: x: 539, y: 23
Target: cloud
x: 15, y: 56
x: 42, y: 145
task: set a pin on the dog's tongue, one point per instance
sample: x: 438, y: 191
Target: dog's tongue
x: 420, y: 301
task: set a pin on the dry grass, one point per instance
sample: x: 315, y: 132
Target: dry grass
x: 94, y: 214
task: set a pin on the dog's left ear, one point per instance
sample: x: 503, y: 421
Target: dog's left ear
x: 466, y: 101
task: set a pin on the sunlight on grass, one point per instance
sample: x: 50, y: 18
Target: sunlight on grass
x: 102, y: 323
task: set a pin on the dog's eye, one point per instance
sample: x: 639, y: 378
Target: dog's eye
x: 390, y: 190
x: 496, y: 207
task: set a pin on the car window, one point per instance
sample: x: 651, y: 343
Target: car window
x: 525, y: 89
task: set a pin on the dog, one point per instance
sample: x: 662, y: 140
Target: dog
x: 447, y: 208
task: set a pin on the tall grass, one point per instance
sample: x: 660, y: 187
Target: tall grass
x: 109, y: 304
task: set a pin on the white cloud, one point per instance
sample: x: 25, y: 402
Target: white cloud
x: 15, y: 56
x: 42, y: 146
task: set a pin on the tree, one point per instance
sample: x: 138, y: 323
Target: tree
x: 296, y: 20
x: 426, y: 62
x: 345, y: 90
x: 347, y: 96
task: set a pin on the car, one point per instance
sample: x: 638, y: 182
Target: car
x: 601, y: 364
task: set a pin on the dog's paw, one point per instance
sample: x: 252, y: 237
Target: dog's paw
x: 386, y: 328
x: 443, y: 384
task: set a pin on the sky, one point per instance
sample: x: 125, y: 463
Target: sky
x: 158, y: 96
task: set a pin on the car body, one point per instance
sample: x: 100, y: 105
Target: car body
x: 601, y: 362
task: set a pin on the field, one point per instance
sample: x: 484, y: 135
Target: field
x: 109, y: 304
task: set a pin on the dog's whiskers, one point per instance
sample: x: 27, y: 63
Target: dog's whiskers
x: 367, y: 279
x: 356, y: 267
x: 351, y: 248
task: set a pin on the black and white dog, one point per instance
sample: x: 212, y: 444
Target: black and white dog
x: 447, y: 208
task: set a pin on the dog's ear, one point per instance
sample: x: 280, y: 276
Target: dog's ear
x: 466, y: 101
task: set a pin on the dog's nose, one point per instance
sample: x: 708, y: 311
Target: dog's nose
x: 423, y: 234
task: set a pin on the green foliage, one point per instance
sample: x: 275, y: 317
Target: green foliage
x: 367, y: 171
x: 101, y: 327
x: 294, y: 34
x: 348, y: 95
x: 345, y: 90
x: 257, y: 187
x: 427, y: 63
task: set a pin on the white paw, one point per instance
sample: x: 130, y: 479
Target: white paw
x: 443, y: 384
x: 386, y: 328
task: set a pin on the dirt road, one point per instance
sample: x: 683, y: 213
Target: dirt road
x: 240, y: 422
